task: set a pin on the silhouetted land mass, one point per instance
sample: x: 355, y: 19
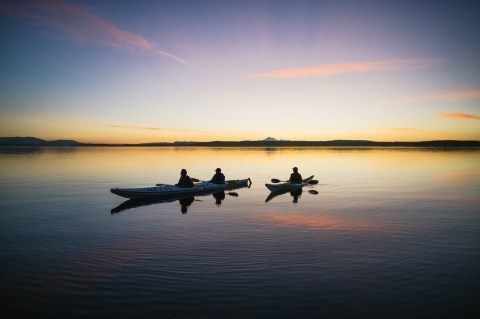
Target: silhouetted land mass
x: 32, y: 141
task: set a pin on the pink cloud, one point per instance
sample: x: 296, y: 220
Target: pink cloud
x: 460, y: 116
x: 359, y: 67
x: 81, y: 24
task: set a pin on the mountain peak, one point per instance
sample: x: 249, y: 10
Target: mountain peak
x: 270, y: 139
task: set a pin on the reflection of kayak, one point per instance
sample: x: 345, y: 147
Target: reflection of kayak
x: 146, y: 201
x: 172, y: 190
x: 184, y: 199
x: 296, y: 193
x: 288, y: 186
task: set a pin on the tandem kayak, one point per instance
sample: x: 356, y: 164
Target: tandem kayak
x: 172, y: 190
x: 288, y: 186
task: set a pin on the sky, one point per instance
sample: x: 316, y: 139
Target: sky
x: 163, y: 71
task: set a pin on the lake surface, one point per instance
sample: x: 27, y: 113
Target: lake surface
x: 392, y: 233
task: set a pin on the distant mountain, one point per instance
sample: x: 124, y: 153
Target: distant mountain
x: 268, y: 142
x: 33, y: 141
x: 270, y: 139
x: 333, y: 143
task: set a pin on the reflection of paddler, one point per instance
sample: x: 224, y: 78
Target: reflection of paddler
x: 219, y: 197
x: 185, y: 202
x: 296, y: 194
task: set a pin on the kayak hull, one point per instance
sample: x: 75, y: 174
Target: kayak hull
x: 172, y: 190
x: 288, y: 186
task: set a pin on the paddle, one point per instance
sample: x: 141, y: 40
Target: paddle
x: 312, y: 182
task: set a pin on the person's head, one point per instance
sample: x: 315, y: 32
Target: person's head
x: 183, y: 172
x: 295, y: 169
x: 218, y: 170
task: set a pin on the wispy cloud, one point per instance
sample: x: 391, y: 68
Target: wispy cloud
x: 447, y: 96
x: 404, y: 129
x: 81, y: 24
x: 357, y: 67
x: 135, y: 127
x: 461, y: 116
x: 153, y: 128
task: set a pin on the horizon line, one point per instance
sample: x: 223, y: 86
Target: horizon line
x: 265, y: 141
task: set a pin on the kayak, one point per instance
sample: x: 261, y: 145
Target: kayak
x: 288, y: 186
x: 172, y: 190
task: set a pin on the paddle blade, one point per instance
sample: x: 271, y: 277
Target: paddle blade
x: 312, y: 191
x: 274, y: 180
x: 313, y: 182
x: 195, y: 180
x: 234, y: 194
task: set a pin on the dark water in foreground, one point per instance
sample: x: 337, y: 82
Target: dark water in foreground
x: 392, y: 233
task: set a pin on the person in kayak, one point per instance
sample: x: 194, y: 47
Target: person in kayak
x: 295, y: 177
x: 218, y: 178
x: 184, y: 181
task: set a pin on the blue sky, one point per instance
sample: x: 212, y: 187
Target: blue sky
x: 142, y: 71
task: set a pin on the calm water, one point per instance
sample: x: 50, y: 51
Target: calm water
x: 392, y: 233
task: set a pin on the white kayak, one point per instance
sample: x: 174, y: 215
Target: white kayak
x: 288, y: 186
x: 170, y: 190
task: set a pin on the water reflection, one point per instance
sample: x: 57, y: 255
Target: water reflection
x: 393, y: 212
x: 296, y: 194
x: 219, y: 197
x: 185, y: 203
x: 324, y: 221
x: 185, y: 200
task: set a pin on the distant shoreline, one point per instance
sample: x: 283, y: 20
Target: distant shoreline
x: 32, y: 141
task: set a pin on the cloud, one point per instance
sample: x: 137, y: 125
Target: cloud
x: 358, y: 67
x: 460, y: 116
x: 447, y: 96
x: 81, y: 24
x: 135, y: 127
x: 152, y: 128
x: 404, y: 129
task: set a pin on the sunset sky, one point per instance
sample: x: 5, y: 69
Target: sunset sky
x: 164, y: 71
